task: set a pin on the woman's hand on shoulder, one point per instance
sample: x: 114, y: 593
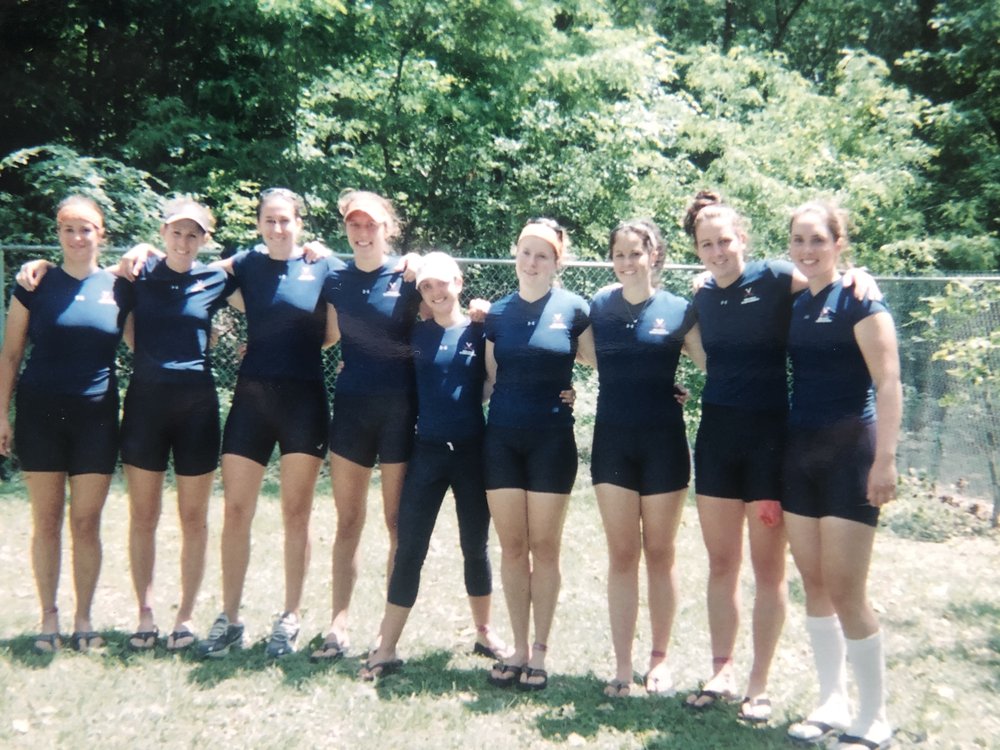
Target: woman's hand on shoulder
x: 478, y: 310
x: 315, y: 251
x: 699, y: 280
x: 865, y: 286
x: 133, y: 260
x: 409, y: 264
x: 31, y: 273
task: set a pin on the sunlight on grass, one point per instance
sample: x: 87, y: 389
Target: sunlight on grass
x: 937, y: 603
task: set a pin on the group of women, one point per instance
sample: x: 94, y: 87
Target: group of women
x: 410, y: 397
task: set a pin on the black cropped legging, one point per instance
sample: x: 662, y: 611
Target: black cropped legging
x: 433, y: 467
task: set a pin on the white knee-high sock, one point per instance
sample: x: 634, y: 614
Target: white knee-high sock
x: 867, y: 659
x: 829, y: 652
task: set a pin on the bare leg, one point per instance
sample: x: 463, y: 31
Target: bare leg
x: 145, y: 494
x: 721, y: 522
x: 620, y: 513
x: 389, y: 632
x: 241, y: 480
x: 392, y: 489
x: 87, y: 495
x: 510, y: 518
x: 193, y: 496
x: 350, y: 496
x: 298, y: 485
x: 661, y: 517
x: 47, y: 491
x: 767, y: 554
x: 546, y: 514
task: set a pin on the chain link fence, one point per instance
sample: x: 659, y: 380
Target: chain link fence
x: 950, y: 425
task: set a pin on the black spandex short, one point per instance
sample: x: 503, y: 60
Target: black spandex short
x: 826, y: 472
x: 366, y: 427
x: 160, y: 418
x: 291, y: 413
x: 532, y: 460
x: 739, y: 453
x: 72, y: 434
x: 647, y: 461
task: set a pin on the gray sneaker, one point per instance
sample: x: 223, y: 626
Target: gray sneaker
x: 283, y: 635
x: 223, y: 636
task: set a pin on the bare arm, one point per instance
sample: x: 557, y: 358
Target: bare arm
x: 586, y: 354
x: 693, y: 348
x: 876, y: 337
x: 31, y: 273
x: 133, y: 261
x: 332, y: 327
x: 14, y: 342
x: 491, y: 371
x: 236, y: 302
x: 865, y: 286
x: 128, y: 331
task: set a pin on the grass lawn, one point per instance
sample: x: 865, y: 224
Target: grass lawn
x: 939, y: 603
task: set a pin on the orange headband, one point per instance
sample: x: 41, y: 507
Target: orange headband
x: 80, y: 211
x: 543, y: 232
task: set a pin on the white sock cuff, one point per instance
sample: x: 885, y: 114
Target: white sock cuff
x: 865, y: 646
x: 829, y: 625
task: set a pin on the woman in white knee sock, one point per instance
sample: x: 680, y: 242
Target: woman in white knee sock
x: 840, y: 468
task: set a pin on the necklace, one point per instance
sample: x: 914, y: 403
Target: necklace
x: 634, y: 312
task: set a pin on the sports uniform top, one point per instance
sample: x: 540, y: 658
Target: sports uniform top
x: 638, y: 347
x: 744, y: 330
x: 74, y: 328
x: 376, y: 311
x: 450, y: 373
x: 830, y: 380
x: 534, y: 344
x: 286, y: 322
x: 173, y: 320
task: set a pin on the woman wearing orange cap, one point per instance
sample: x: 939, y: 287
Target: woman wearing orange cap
x: 67, y: 410
x: 374, y: 408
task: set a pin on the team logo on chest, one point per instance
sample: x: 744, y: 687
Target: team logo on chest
x: 659, y: 328
x: 749, y: 297
x: 393, y: 288
x: 107, y: 298
x: 825, y: 316
x: 198, y: 286
x: 468, y: 350
x: 557, y: 322
x: 306, y: 274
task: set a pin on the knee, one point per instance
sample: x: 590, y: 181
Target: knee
x: 86, y: 526
x: 349, y: 525
x: 238, y: 514
x: 545, y: 551
x: 514, y: 550
x: 296, y: 518
x: 143, y: 520
x: 660, y: 556
x: 723, y: 565
x: 193, y: 522
x: 48, y: 527
x: 623, y: 560
x: 770, y: 577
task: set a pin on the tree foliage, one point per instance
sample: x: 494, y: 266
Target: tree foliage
x: 475, y: 114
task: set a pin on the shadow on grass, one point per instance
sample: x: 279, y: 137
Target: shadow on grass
x: 21, y: 649
x: 575, y: 706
